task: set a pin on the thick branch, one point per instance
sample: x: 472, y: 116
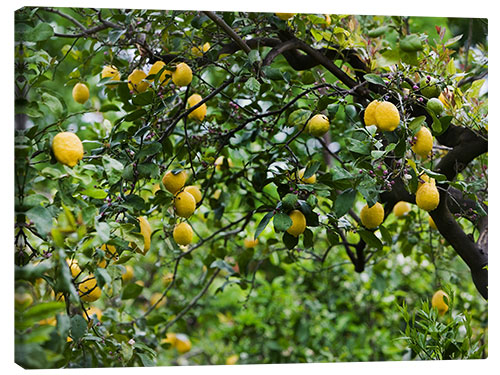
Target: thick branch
x: 228, y: 30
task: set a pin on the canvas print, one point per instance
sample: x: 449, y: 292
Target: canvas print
x: 232, y: 188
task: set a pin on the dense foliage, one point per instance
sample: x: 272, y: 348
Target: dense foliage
x: 336, y: 290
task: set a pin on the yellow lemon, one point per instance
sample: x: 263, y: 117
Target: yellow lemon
x: 110, y: 251
x: 73, y: 267
x: 200, y: 50
x: 89, y: 291
x: 183, y: 75
x: 318, y: 125
x: 171, y: 338
x: 298, y: 223
x: 309, y: 180
x: 67, y: 148
x: 80, y: 93
x: 219, y: 163
x: 174, y: 182
x: 195, y: 192
x: 136, y: 81
x: 372, y: 217
x: 164, y: 77
x: 146, y: 232
x: 183, y: 234
x: 182, y: 344
x: 285, y: 16
x: 423, y: 145
x: 250, y: 242
x: 200, y: 112
x: 387, y: 116
x: 427, y: 196
x: 369, y: 116
x: 216, y: 194
x: 432, y: 224
x: 401, y: 209
x: 93, y: 310
x: 112, y: 73
x: 101, y: 263
x: 48, y: 321
x: 129, y: 274
x: 155, y: 297
x: 167, y: 278
x: 328, y: 20
x: 425, y: 178
x: 439, y: 302
x: 184, y: 204
x: 232, y: 359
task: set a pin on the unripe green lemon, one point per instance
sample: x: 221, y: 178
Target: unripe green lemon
x: 88, y: 289
x: 423, y: 145
x: 318, y: 125
x: 372, y: 217
x: 439, y: 302
x: 136, y: 81
x: 427, y: 196
x: 80, y: 93
x: 183, y: 75
x: 174, y: 182
x: 387, y: 116
x: 429, y: 89
x: 298, y: 223
x: 23, y: 300
x: 401, y: 209
x: 183, y: 234
x: 164, y: 77
x: 67, y: 148
x: 184, y: 204
x: 435, y: 105
x: 200, y: 112
x: 195, y: 192
x: 369, y: 116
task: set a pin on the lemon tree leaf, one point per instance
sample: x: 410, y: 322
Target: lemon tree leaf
x: 113, y: 169
x: 282, y: 222
x: 375, y: 79
x: 411, y: 43
x: 344, y: 202
x: 370, y: 239
x: 290, y: 241
x: 131, y: 291
x: 263, y: 223
x: 42, y: 218
x: 78, y: 327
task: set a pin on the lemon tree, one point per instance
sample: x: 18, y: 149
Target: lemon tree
x: 197, y: 187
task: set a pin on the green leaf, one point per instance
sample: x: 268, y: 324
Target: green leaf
x: 254, y: 56
x: 222, y: 265
x: 152, y: 148
x: 388, y: 58
x: 411, y: 43
x: 415, y: 124
x: 135, y: 115
x: 344, y: 202
x: 102, y: 276
x: 253, y: 85
x: 113, y: 169
x: 94, y: 193
x: 78, y: 327
x: 298, y: 117
x: 450, y: 67
x: 42, y: 217
x: 290, y: 241
x: 131, y: 291
x: 144, y: 98
x: 370, y: 239
x: 375, y: 79
x: 307, y: 240
x: 103, y: 230
x: 44, y: 310
x: 41, y: 32
x: 375, y: 33
x: 386, y: 235
x: 52, y: 103
x: 312, y: 168
x: 282, y: 222
x: 263, y: 223
x: 357, y: 146
x: 289, y: 201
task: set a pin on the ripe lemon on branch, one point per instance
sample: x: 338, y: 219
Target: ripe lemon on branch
x: 285, y: 16
x: 89, y: 291
x: 183, y: 75
x: 136, y: 81
x: 183, y: 234
x: 200, y: 50
x: 427, y: 196
x: 195, y: 192
x: 67, y: 148
x: 372, y: 217
x: 298, y: 223
x: 200, y: 112
x: 423, y: 145
x: 129, y: 274
x: 184, y: 204
x: 164, y: 77
x: 318, y: 125
x: 309, y: 180
x: 383, y: 114
x: 439, y: 302
x: 401, y: 209
x: 174, y: 181
x: 80, y: 93
x: 112, y: 73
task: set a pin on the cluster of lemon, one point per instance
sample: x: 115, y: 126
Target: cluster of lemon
x: 185, y: 200
x: 427, y: 198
